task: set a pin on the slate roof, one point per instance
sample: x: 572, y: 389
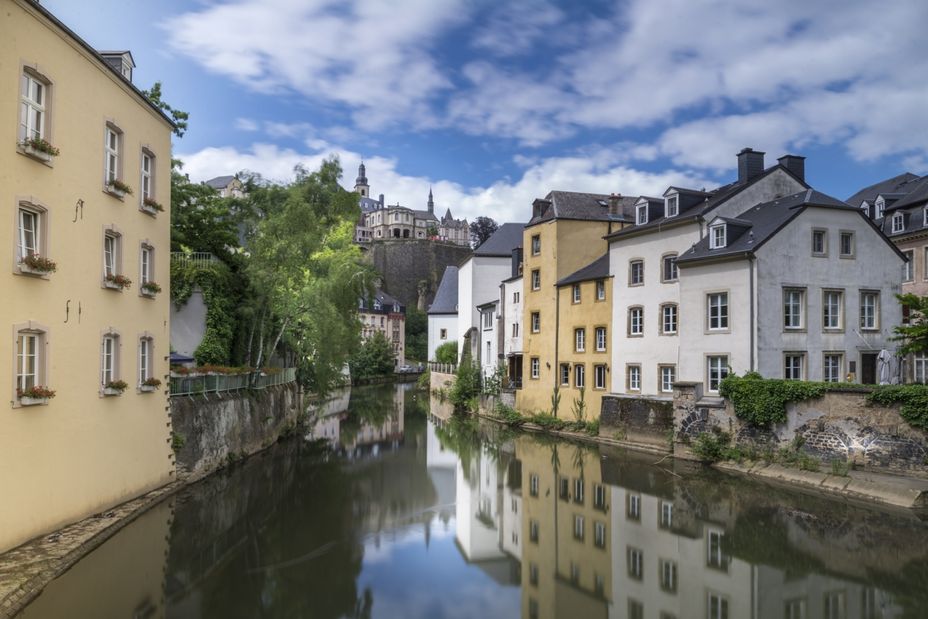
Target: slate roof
x: 368, y: 204
x: 583, y: 206
x: 502, y: 242
x: 446, y: 297
x: 220, y: 182
x: 598, y: 269
x: 386, y: 301
x: 760, y: 223
x: 424, y: 215
x: 917, y: 195
x: 895, y: 184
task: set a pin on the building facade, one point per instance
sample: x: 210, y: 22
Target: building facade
x: 511, y: 324
x: 86, y: 176
x: 384, y: 314
x: 443, y: 312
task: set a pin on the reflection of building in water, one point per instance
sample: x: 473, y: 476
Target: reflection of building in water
x: 781, y: 594
x: 442, y: 465
x: 566, y: 563
x: 368, y: 427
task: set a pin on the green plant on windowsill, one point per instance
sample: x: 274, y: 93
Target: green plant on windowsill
x: 37, y: 263
x: 149, y: 384
x: 115, y: 387
x: 151, y: 288
x: 118, y: 281
x: 35, y: 393
x: 119, y: 186
x: 40, y: 145
x: 152, y: 204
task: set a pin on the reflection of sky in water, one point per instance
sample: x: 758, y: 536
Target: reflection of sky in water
x: 465, y: 589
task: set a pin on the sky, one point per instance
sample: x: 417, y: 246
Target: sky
x: 493, y: 104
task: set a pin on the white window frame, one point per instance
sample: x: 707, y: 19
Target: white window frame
x: 599, y: 534
x: 667, y: 570
x: 671, y: 206
x: 716, y: 370
x: 669, y: 319
x: 633, y: 376
x: 633, y: 507
x: 717, y: 303
x: 112, y: 147
x: 908, y: 269
x: 600, y: 290
x: 145, y: 359
x: 668, y: 376
x: 579, y: 376
x: 880, y: 207
x: 666, y: 515
x: 147, y: 172
x: 110, y: 254
x: 898, y: 223
x: 869, y: 310
x: 23, y: 248
x: 535, y: 365
x: 536, y: 279
x: 146, y: 264
x: 832, y: 367
x: 920, y: 368
x: 29, y: 359
x: 580, y: 339
x: 794, y: 366
x: 794, y: 308
x: 109, y: 359
x: 579, y: 527
x: 601, y: 339
x: 599, y: 376
x: 717, y: 236
x: 832, y: 312
x: 641, y: 214
x: 536, y: 244
x: 575, y: 292
x: 33, y: 109
x: 635, y: 562
x: 636, y: 321
x: 536, y: 322
x: 636, y: 272
x: 565, y: 374
x: 674, y: 274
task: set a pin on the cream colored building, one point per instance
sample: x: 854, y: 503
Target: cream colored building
x: 72, y: 123
x: 382, y: 313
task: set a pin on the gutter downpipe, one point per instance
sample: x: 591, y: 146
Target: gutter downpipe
x: 753, y: 265
x: 557, y: 334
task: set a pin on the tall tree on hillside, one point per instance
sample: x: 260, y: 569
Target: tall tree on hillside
x: 481, y: 229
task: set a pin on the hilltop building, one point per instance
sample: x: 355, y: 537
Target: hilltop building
x: 87, y: 178
x: 385, y: 314
x: 380, y: 221
x: 227, y: 186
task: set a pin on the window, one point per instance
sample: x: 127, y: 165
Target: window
x: 717, y: 236
x: 515, y: 297
x: 908, y: 269
x: 148, y: 169
x: 599, y: 497
x: 575, y: 292
x: 536, y: 322
x: 578, y: 528
x: 536, y: 367
x: 574, y: 573
x: 633, y: 507
x: 533, y: 574
x: 536, y: 244
x: 146, y: 265
x: 819, y: 243
x: 635, y: 321
x: 600, y: 290
x: 533, y: 531
x: 488, y: 319
x: 898, y: 222
x: 636, y: 272
x: 565, y: 374
x: 145, y: 359
x: 641, y: 213
x: 31, y: 225
x: 112, y: 149
x: 793, y: 308
x: 578, y: 490
x: 847, y: 244
x: 832, y: 309
x: 564, y: 491
x: 536, y: 279
x: 869, y: 310
x: 716, y: 370
x: 635, y: 609
x: 668, y: 374
x: 668, y: 573
x: 633, y: 377
x: 579, y: 340
x: 793, y: 366
x: 716, y: 606
x: 666, y: 515
x: 717, y: 311
x: 533, y: 484
x: 111, y: 255
x: 599, y: 534
x: 669, y: 268
x: 634, y: 559
x: 832, y: 367
x: 32, y: 115
x: 714, y: 555
x: 515, y: 329
x: 671, y: 206
x: 109, y: 359
x: 579, y: 376
x: 880, y: 207
x: 443, y: 333
x: 669, y: 319
x: 600, y: 339
x: 835, y: 605
x: 795, y: 609
x: 30, y: 358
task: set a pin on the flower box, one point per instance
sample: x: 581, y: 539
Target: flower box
x: 34, y: 396
x: 151, y: 207
x: 150, y: 289
x: 114, y: 387
x: 35, y: 153
x: 108, y: 391
x: 28, y: 270
x: 39, y: 149
x: 37, y: 265
x: 116, y: 282
x: 118, y: 189
x: 27, y: 401
x: 147, y: 388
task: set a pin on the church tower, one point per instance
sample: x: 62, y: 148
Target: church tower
x: 431, y: 202
x: 360, y: 185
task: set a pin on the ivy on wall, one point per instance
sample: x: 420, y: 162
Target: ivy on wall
x: 913, y: 401
x: 216, y: 283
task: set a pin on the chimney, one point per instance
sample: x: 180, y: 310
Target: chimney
x: 614, y: 210
x: 750, y: 164
x: 795, y: 164
x: 516, y: 261
x: 381, y: 200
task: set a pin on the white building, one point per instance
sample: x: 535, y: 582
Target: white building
x: 511, y: 325
x: 646, y: 314
x: 443, y: 312
x: 489, y: 340
x: 478, y: 281
x: 800, y: 288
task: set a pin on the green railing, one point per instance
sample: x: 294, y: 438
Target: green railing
x: 201, y: 384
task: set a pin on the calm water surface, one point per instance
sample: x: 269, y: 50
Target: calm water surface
x: 390, y: 509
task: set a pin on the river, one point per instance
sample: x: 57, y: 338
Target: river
x: 394, y: 508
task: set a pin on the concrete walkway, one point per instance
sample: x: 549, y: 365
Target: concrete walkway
x: 859, y: 485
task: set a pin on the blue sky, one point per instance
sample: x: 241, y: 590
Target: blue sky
x: 494, y: 104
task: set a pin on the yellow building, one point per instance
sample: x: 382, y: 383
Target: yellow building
x: 584, y: 315
x: 564, y: 235
x: 85, y: 185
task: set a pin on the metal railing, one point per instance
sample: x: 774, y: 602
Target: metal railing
x: 201, y: 384
x: 196, y: 259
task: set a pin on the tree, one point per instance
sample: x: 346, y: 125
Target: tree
x: 201, y: 221
x: 447, y: 353
x: 481, y: 229
x: 417, y: 334
x: 180, y: 118
x: 914, y: 334
x: 375, y: 357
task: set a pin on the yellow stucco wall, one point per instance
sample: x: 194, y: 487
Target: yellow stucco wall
x: 566, y: 246
x: 82, y: 452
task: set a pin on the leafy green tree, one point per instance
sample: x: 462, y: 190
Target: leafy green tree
x: 914, y: 335
x: 375, y: 357
x: 180, y: 118
x: 481, y: 229
x: 417, y: 334
x: 201, y: 221
x: 447, y: 353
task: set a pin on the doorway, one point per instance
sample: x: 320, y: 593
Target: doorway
x: 868, y: 368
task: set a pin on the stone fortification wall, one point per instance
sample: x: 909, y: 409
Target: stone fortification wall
x: 212, y: 431
x: 405, y: 263
x: 841, y: 425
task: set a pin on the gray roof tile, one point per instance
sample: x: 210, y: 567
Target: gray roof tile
x: 598, y: 269
x: 446, y: 297
x: 895, y: 184
x: 585, y: 206
x: 502, y: 242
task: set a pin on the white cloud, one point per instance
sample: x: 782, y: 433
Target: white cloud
x: 246, y: 124
x: 516, y: 26
x: 599, y: 171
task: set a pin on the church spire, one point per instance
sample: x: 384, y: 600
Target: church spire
x: 431, y: 202
x: 360, y: 185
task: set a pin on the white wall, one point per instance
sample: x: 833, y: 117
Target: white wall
x: 489, y: 341
x: 478, y: 282
x: 437, y: 322
x: 512, y: 315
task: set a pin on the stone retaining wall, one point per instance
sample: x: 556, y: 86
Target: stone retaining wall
x: 225, y: 427
x: 637, y: 420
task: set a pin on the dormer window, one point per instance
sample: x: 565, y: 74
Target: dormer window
x: 396, y: 308
x: 641, y: 213
x: 671, y: 206
x: 377, y: 304
x: 898, y: 222
x: 925, y: 217
x: 880, y: 205
x: 717, y: 236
